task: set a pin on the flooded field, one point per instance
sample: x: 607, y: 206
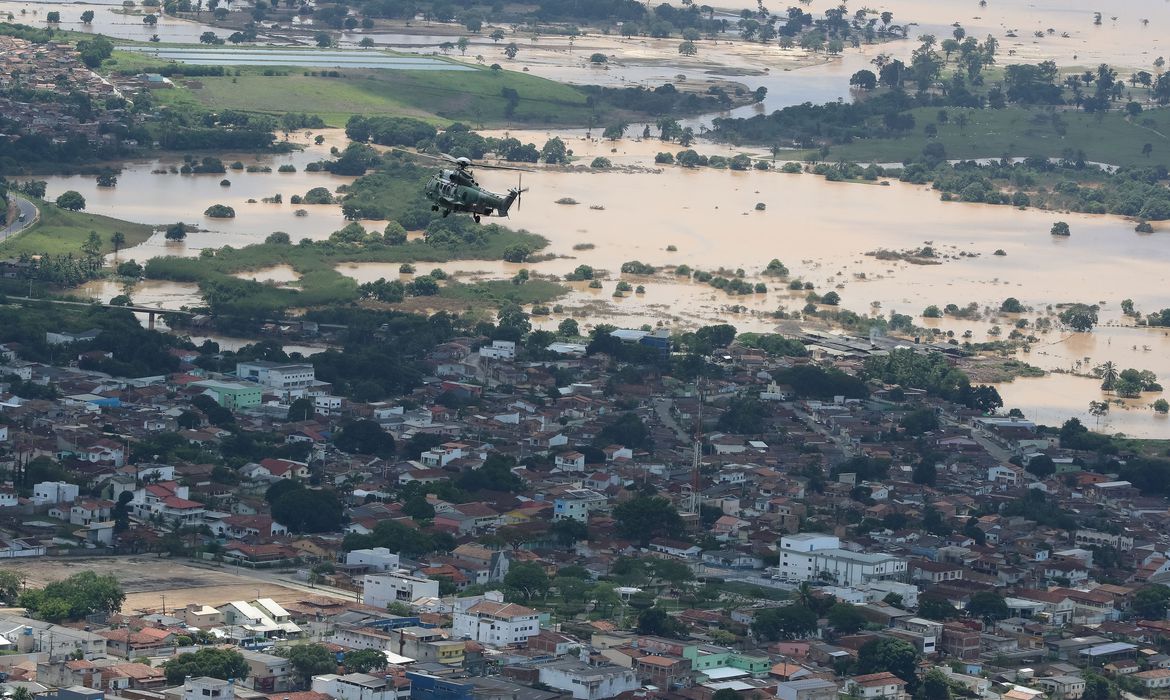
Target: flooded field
x: 307, y: 58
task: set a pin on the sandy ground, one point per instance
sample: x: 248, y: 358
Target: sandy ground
x: 147, y: 580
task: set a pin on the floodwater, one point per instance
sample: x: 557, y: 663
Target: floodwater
x: 307, y: 58
x: 158, y: 199
x: 108, y: 20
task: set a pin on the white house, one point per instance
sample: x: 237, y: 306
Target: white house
x: 380, y: 590
x: 569, y: 462
x: 498, y: 624
x: 49, y: 492
x: 205, y: 688
x: 377, y: 558
x: 585, y: 682
x: 499, y: 350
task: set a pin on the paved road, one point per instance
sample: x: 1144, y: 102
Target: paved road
x: 662, y: 407
x: 30, y: 214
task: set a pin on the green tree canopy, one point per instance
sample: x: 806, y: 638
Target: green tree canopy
x: 210, y: 661
x: 73, y: 598
x: 310, y: 660
x: 788, y: 622
x: 645, y: 517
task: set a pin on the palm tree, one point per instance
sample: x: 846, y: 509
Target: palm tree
x: 1108, y: 374
x: 118, y: 239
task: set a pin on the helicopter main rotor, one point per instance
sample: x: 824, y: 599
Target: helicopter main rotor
x: 462, y: 162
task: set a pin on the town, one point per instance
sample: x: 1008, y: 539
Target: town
x: 567, y: 521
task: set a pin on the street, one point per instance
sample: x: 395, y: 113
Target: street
x: 30, y: 215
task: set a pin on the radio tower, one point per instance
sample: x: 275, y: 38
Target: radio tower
x: 696, y: 452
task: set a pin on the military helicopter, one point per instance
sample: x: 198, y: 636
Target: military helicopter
x: 455, y: 189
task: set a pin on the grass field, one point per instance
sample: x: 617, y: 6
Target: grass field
x: 1015, y: 131
x: 442, y: 96
x: 498, y: 291
x: 60, y: 231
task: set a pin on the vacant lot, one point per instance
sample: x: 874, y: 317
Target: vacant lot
x: 147, y: 579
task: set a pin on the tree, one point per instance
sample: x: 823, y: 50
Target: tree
x: 1011, y: 305
x: 364, y: 660
x: 11, y: 584
x: 627, y: 430
x: 613, y: 132
x: 497, y: 35
x: 1150, y: 603
x: 788, y: 622
x: 309, y: 660
x: 554, y: 151
x: 301, y: 409
x: 117, y: 239
x: 987, y: 605
x: 864, y: 79
x: 74, y: 598
x: 846, y: 618
x: 308, y: 510
x: 527, y: 581
x: 176, y: 232
x: 1041, y: 466
x: 323, y: 40
x: 688, y: 48
x: 831, y: 299
x: 150, y: 20
x: 645, y: 517
x: 1162, y: 406
x: 364, y: 437
x: 655, y: 621
x: 1108, y: 373
x: 463, y: 43
x: 889, y: 654
x: 935, y: 686
x: 92, y: 247
x: 1079, y: 317
x: 209, y: 38
x: 569, y: 328
x: 511, y: 50
x: 87, y: 17
x: 71, y: 200
x: 418, y: 507
x: 1060, y: 228
x: 214, y: 662
x: 53, y: 17
x: 937, y: 609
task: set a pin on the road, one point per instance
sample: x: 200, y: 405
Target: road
x: 30, y: 215
x: 662, y: 407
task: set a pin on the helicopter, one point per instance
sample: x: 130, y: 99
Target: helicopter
x: 456, y: 189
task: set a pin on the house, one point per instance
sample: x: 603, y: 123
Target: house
x: 268, y: 673
x: 584, y: 682
x: 1062, y: 687
x: 362, y: 686
x: 883, y: 685
x: 807, y: 689
x: 569, y: 462
x: 382, y: 589
x: 674, y: 548
x: 1154, y: 679
x: 810, y: 556
x: 577, y: 504
x: 498, y: 624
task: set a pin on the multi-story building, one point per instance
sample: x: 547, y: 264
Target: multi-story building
x: 585, y: 682
x: 268, y: 673
x: 813, y: 557
x: 282, y: 378
x: 577, y: 503
x: 498, y: 624
x: 233, y: 396
x: 382, y: 589
x: 362, y: 686
x: 376, y: 559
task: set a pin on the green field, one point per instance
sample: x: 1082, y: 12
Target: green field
x: 442, y: 96
x: 1015, y: 131
x: 60, y: 232
x: 535, y: 291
